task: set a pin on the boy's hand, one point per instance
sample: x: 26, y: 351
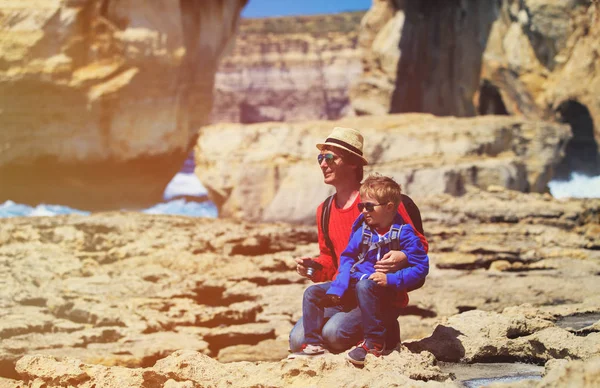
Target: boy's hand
x: 379, y: 278
x: 392, y: 262
x: 329, y: 301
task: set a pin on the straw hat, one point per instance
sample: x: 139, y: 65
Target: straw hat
x: 347, y: 139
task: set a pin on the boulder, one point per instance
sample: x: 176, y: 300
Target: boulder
x: 478, y: 336
x: 269, y: 172
x: 100, y: 100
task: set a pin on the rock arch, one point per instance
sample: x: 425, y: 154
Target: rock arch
x: 489, y: 100
x: 581, y: 153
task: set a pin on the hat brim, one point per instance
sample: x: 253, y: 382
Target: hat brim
x: 321, y: 145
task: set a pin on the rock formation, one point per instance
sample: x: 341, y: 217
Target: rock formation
x: 125, y: 299
x: 537, y: 59
x: 542, y: 60
x: 100, y: 100
x: 422, y: 56
x: 263, y: 170
x: 289, y: 69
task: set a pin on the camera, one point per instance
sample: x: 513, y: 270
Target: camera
x: 311, y: 267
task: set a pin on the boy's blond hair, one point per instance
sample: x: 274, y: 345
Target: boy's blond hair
x: 382, y: 188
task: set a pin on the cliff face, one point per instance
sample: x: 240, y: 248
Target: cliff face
x: 422, y: 56
x: 538, y: 59
x: 100, y: 100
x: 543, y: 61
x: 289, y: 69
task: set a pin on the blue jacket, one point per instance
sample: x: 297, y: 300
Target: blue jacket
x: 410, y: 244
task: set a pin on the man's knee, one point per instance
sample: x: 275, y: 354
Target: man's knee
x: 314, y: 292
x: 342, y: 331
x: 365, y: 286
x: 297, y: 337
x: 335, y: 340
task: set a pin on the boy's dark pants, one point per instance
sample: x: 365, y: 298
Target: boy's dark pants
x: 375, y: 303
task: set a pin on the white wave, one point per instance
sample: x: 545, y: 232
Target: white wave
x: 178, y: 206
x: 12, y: 209
x: 579, y: 186
x: 184, y: 184
x: 184, y: 208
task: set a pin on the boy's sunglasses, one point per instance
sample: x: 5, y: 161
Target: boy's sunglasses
x: 327, y: 157
x: 368, y: 206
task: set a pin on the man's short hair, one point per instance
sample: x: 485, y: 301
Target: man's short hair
x: 382, y: 188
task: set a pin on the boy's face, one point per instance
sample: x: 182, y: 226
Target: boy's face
x: 381, y: 215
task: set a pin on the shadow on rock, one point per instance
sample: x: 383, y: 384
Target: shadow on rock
x: 443, y: 343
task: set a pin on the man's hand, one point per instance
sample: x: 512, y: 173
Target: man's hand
x: 392, y: 262
x: 379, y: 277
x: 300, y: 267
x: 329, y: 301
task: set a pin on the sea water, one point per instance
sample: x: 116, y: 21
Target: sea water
x: 186, y: 185
x: 184, y: 195
x: 579, y: 186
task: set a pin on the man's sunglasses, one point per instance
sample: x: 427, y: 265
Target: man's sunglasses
x: 368, y: 206
x: 327, y: 157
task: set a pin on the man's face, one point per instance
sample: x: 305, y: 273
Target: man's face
x: 334, y: 168
x: 376, y: 214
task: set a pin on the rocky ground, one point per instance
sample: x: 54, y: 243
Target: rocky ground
x: 127, y: 299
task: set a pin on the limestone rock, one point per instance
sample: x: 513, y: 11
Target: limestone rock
x: 541, y: 61
x: 422, y: 56
x: 478, y: 336
x: 288, y: 69
x: 101, y: 99
x: 227, y: 289
x: 263, y: 171
x: 268, y: 350
x: 186, y: 368
x: 572, y: 373
x: 536, y: 59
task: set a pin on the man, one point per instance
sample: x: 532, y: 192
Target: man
x: 341, y: 161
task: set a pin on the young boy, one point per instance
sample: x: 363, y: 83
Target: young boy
x: 375, y: 292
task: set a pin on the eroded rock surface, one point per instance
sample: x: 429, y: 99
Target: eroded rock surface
x: 100, y: 100
x: 125, y: 289
x: 514, y: 277
x: 542, y: 60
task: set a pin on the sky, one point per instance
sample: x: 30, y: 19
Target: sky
x: 264, y: 8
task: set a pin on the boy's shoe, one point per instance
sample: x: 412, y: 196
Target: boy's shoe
x: 359, y: 353
x: 309, y: 350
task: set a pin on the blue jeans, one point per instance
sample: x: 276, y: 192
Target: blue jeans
x: 341, y: 327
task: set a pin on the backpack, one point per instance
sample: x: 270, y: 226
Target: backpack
x: 407, y: 209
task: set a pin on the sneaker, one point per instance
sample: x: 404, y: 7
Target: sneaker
x: 308, y: 350
x: 312, y: 350
x: 359, y: 353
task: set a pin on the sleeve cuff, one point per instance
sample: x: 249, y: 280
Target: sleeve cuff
x: 392, y: 280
